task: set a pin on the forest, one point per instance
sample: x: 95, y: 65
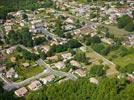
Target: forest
x: 7, y: 6
x: 82, y: 89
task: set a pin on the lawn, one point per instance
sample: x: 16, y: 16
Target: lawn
x: 30, y: 71
x: 123, y: 61
x: 118, y: 32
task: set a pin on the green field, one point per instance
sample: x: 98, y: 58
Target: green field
x: 29, y: 72
x: 119, y: 60
x: 123, y: 61
x: 117, y: 32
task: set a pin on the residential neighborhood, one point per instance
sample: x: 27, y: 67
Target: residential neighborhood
x: 53, y: 44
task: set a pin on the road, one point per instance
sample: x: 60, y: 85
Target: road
x: 15, y: 85
x: 56, y: 72
x: 53, y: 36
x: 2, y: 35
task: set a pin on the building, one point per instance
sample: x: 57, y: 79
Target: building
x: 25, y: 65
x: 80, y: 72
x: 21, y: 92
x: 52, y: 58
x: 37, y: 26
x: 45, y: 48
x: 75, y: 63
x: 13, y: 59
x: 94, y: 80
x: 10, y: 73
x: 35, y: 85
x: 10, y: 50
x: 66, y: 55
x: 47, y: 79
x: 60, y: 65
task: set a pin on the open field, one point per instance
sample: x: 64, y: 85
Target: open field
x: 96, y: 58
x: 122, y: 61
x: 29, y: 72
x: 118, y: 32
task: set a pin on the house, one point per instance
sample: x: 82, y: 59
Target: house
x: 25, y: 65
x: 52, y: 58
x: 69, y: 27
x: 37, y: 26
x: 83, y: 48
x: 108, y: 41
x: 46, y: 48
x: 60, y: 65
x: 94, y: 80
x: 8, y: 26
x: 129, y: 40
x: 47, y: 79
x: 10, y: 73
x: 80, y: 72
x: 21, y: 92
x: 66, y: 55
x: 75, y: 63
x: 130, y: 77
x: 69, y: 20
x: 35, y: 85
x: 13, y: 59
x: 10, y: 50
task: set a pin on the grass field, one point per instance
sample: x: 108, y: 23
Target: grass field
x: 29, y: 72
x: 118, y: 32
x: 123, y: 61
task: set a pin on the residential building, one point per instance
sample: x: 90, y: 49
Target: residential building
x: 21, y: 92
x: 10, y: 73
x: 60, y: 65
x: 66, y: 55
x: 35, y: 85
x: 80, y: 72
x: 94, y: 80
x: 47, y: 79
x: 75, y: 63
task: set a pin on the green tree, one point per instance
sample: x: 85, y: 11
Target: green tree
x: 97, y: 70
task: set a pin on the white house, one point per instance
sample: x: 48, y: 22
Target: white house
x: 47, y: 79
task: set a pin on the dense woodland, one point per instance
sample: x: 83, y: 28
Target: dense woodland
x: 7, y: 6
x: 82, y: 89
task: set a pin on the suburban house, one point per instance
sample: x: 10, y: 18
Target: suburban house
x: 21, y: 92
x: 26, y: 65
x: 80, y: 72
x: 75, y: 63
x: 66, y: 55
x: 60, y: 65
x: 10, y: 50
x: 10, y: 73
x: 34, y: 85
x: 13, y: 59
x: 52, y: 58
x: 37, y: 26
x: 45, y: 48
x: 47, y: 79
x: 94, y: 80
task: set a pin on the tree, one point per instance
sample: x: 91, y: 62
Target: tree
x: 80, y: 56
x: 130, y: 27
x: 97, y: 70
x: 128, y: 68
x: 124, y: 21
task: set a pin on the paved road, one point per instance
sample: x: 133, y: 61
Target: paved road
x: 56, y: 72
x: 53, y: 36
x: 2, y: 35
x: 14, y: 85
